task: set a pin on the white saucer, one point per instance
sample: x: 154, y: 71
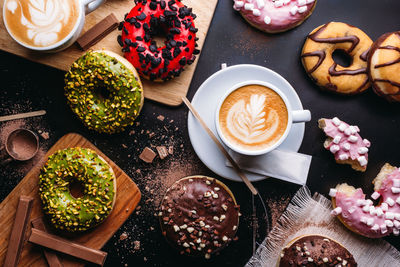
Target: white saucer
x: 206, y: 100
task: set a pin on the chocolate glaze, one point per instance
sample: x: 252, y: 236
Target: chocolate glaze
x: 322, y: 54
x: 315, y: 250
x: 199, y: 213
x: 388, y: 47
x: 364, y: 55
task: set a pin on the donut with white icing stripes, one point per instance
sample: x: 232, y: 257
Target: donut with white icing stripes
x: 274, y: 16
x: 360, y: 215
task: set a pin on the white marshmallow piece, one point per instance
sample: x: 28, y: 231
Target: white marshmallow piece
x: 285, y: 2
x: 336, y: 121
x: 362, y: 160
x: 384, y: 206
x: 346, y: 146
x: 369, y: 202
x: 397, y: 216
x: 396, y: 182
x: 310, y: 1
x: 248, y: 6
x: 395, y: 190
x: 260, y: 4
x: 375, y: 227
x: 354, y: 129
x: 379, y: 212
x: 352, y: 138
x: 396, y: 224
x: 362, y: 150
x: 334, y: 148
x: 337, y: 139
x: 351, y: 210
x: 372, y: 210
x: 390, y: 201
x: 294, y: 10
x: 239, y: 4
x: 383, y: 228
x: 398, y: 200
x: 332, y: 192
x: 267, y: 20
x: 389, y: 215
x: 366, y: 208
x: 396, y: 231
x: 389, y: 223
x: 278, y: 3
x: 256, y: 12
x: 301, y: 2
x: 367, y: 143
x: 361, y: 202
x: 336, y: 211
x: 302, y: 9
x: 347, y: 132
x: 342, y: 127
x: 370, y: 221
x: 343, y: 156
x: 363, y: 219
x: 375, y: 195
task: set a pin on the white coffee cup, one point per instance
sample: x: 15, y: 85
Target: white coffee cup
x: 294, y: 116
x: 85, y: 7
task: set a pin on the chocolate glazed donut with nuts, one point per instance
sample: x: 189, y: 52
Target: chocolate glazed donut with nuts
x: 319, y: 64
x: 199, y: 216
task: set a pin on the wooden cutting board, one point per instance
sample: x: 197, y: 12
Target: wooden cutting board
x: 128, y: 196
x: 169, y: 93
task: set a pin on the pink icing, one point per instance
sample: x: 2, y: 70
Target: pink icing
x: 281, y: 18
x: 354, y: 219
x: 345, y: 147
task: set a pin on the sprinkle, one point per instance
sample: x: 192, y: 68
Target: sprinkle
x: 362, y: 160
x: 332, y: 192
x: 256, y: 12
x: 176, y: 228
x: 190, y: 229
x: 379, y: 212
x: 223, y: 216
x: 375, y: 227
x: 207, y: 256
x: 375, y: 195
x: 395, y: 190
x: 294, y: 10
x: 351, y: 210
x: 362, y: 150
x: 216, y: 218
x: 224, y: 238
x: 267, y: 20
x: 389, y: 215
x: 186, y: 245
x: 390, y: 201
x: 310, y: 259
x: 370, y: 221
x: 389, y: 223
x: 224, y: 207
x: 337, y: 139
x: 342, y: 126
x: 336, y: 121
x: 343, y: 156
x: 216, y: 189
x: 336, y: 211
x: 260, y: 4
x: 384, y: 206
x: 346, y: 146
x: 301, y: 2
x: 334, y: 148
x: 383, y: 228
x: 248, y: 6
x: 184, y: 226
x: 325, y: 259
x: 396, y: 182
x: 352, y: 138
x: 234, y: 227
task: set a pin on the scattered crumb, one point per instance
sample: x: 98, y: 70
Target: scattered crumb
x: 151, y: 135
x: 132, y: 132
x: 45, y: 135
x: 161, y: 117
x: 171, y: 150
x: 124, y: 146
x: 123, y: 236
x: 162, y: 152
x: 147, y: 155
x: 136, y: 245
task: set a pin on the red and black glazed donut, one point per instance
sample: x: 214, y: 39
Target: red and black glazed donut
x: 150, y: 18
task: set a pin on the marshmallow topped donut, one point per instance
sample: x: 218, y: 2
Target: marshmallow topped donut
x: 384, y: 66
x: 360, y: 215
x: 345, y: 143
x: 274, y: 16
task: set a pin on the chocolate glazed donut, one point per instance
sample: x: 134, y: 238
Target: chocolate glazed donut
x: 323, y: 70
x: 384, y: 66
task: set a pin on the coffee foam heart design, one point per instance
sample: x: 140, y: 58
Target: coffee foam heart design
x: 43, y: 19
x: 250, y: 123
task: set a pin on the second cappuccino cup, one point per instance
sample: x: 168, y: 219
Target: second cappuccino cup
x: 255, y: 117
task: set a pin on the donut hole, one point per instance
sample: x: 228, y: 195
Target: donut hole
x: 102, y: 92
x: 76, y: 189
x: 342, y: 58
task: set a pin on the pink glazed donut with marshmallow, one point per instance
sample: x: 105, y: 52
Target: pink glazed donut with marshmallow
x: 360, y: 215
x: 274, y: 16
x: 345, y: 143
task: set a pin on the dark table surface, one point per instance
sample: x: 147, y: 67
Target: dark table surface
x: 27, y: 86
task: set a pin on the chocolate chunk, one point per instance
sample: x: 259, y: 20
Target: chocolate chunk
x: 141, y: 17
x: 147, y: 155
x: 153, y: 48
x: 162, y: 152
x: 153, y: 5
x: 119, y: 39
x: 163, y: 5
x: 140, y: 49
x: 182, y: 61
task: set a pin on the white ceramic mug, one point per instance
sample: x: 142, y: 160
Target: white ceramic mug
x: 85, y: 7
x: 294, y: 116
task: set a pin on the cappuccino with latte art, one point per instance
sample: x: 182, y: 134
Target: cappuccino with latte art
x: 253, y: 117
x: 41, y: 23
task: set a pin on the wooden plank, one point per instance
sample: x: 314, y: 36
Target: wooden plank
x: 169, y: 93
x: 128, y: 196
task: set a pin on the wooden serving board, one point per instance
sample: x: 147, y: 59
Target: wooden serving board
x: 128, y: 196
x: 169, y: 93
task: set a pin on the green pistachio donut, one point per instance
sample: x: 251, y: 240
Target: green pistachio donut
x: 104, y: 90
x: 83, y: 166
